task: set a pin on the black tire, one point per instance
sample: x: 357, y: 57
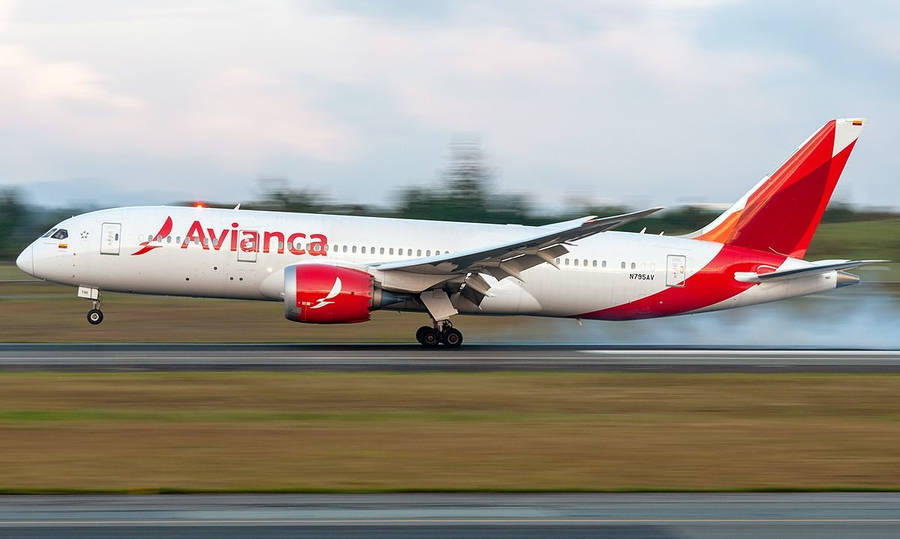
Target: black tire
x: 430, y: 338
x: 420, y: 332
x: 452, y: 338
x: 95, y: 316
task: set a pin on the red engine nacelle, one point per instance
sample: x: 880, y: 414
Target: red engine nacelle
x: 324, y: 294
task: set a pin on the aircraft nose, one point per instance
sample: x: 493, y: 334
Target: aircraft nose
x: 25, y: 262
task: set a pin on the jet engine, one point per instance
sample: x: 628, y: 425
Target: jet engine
x: 326, y: 294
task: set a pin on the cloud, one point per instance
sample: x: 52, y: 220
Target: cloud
x: 25, y: 77
x: 608, y: 99
x: 242, y: 112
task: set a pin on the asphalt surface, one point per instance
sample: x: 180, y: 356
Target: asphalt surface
x: 455, y: 515
x: 298, y: 357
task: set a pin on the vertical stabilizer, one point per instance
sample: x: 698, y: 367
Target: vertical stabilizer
x: 780, y: 214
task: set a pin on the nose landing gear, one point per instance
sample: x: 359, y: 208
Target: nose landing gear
x: 95, y: 315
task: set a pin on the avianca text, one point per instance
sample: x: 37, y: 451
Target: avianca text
x: 249, y: 241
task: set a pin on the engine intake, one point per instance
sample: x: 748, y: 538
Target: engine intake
x: 326, y: 294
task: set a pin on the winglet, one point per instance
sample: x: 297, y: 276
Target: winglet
x: 615, y: 221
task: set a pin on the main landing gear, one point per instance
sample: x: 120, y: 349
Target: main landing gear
x: 440, y: 334
x: 440, y: 309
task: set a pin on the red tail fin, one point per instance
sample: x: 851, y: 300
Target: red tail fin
x: 781, y: 213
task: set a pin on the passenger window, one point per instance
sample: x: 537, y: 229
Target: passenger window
x: 428, y: 252
x: 48, y: 233
x: 576, y: 262
x: 409, y: 252
x: 594, y: 264
x: 353, y: 249
x: 345, y: 248
x: 632, y: 265
x: 392, y: 250
x: 419, y: 252
x: 381, y: 251
x: 149, y: 237
x: 623, y: 265
x: 603, y: 264
x: 362, y: 249
x: 567, y: 261
x: 168, y: 239
x: 178, y: 239
x: 61, y: 234
x: 585, y: 262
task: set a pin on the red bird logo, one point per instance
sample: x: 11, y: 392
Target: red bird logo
x: 335, y: 290
x: 163, y: 232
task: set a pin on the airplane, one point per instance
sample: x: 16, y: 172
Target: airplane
x: 333, y: 269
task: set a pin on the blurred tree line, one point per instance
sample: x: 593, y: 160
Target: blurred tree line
x: 465, y: 192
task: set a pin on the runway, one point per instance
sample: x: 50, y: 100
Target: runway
x: 455, y: 515
x: 298, y: 357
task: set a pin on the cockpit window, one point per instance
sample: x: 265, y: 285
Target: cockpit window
x: 47, y: 233
x: 61, y: 234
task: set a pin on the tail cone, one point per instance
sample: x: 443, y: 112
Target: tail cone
x: 846, y: 279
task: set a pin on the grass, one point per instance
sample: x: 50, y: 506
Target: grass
x: 858, y: 240
x: 384, y: 432
x: 42, y: 312
x: 861, y: 240
x: 164, y: 432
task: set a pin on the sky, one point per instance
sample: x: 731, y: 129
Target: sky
x: 637, y: 102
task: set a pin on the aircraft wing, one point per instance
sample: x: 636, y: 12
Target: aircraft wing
x: 546, y: 243
x: 822, y: 266
x: 542, y: 245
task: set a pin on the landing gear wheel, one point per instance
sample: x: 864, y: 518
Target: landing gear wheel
x: 430, y: 338
x: 420, y: 334
x: 95, y: 316
x: 452, y: 338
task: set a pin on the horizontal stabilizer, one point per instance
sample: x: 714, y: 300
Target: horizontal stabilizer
x: 822, y: 266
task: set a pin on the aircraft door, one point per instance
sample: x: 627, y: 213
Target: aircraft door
x: 248, y: 246
x: 676, y: 268
x: 110, y: 238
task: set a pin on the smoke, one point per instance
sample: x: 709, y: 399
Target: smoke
x: 864, y: 316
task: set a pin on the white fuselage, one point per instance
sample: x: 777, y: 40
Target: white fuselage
x: 610, y: 269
